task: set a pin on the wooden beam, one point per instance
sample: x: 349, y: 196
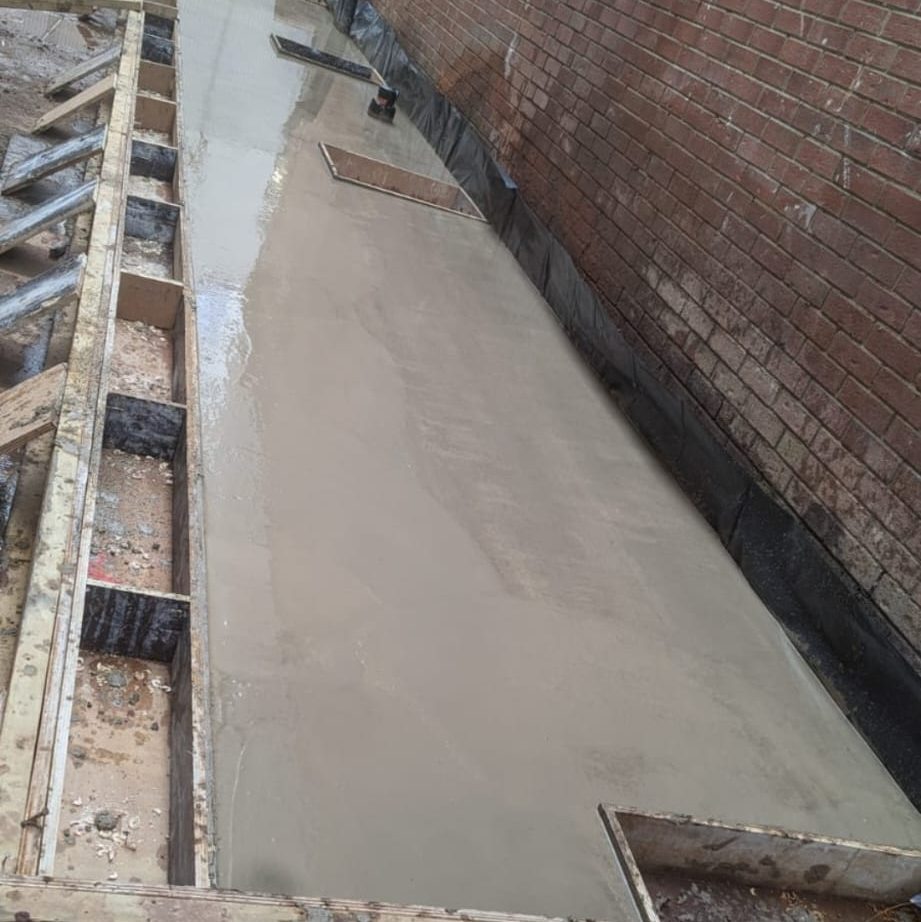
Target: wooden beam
x: 30, y: 408
x: 70, y: 901
x: 71, y: 6
x: 90, y: 66
x: 46, y: 215
x: 54, y: 158
x: 90, y: 96
x: 43, y: 292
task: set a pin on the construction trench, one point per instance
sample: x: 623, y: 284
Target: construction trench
x: 329, y: 566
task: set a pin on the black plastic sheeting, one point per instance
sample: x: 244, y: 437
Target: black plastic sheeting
x: 865, y: 663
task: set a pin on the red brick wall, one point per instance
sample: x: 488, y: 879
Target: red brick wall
x: 739, y: 179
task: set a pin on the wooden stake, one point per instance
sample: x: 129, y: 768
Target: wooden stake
x: 88, y: 97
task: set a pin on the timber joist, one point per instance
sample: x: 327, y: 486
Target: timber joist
x: 105, y: 713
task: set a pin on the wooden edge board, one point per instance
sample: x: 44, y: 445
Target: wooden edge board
x: 204, y: 873
x: 90, y: 66
x: 72, y: 6
x: 28, y: 735
x: 66, y: 901
x: 92, y: 94
x: 73, y: 150
x: 30, y: 408
x: 327, y: 151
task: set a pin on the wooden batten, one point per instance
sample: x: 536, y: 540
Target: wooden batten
x: 91, y: 96
x: 42, y: 293
x: 54, y: 158
x: 84, y: 69
x: 149, y: 299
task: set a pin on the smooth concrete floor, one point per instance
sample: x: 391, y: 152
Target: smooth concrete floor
x: 454, y: 601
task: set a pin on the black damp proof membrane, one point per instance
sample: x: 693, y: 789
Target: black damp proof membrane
x: 310, y: 55
x: 869, y: 668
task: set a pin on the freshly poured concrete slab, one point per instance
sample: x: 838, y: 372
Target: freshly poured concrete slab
x: 454, y: 602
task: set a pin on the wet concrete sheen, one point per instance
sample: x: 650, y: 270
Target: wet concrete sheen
x: 454, y: 601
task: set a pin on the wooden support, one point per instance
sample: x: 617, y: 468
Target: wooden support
x: 54, y: 158
x: 41, y: 293
x: 155, y: 114
x: 157, y: 78
x: 84, y: 69
x: 143, y: 427
x: 90, y: 96
x: 149, y: 299
x: 30, y: 408
x: 132, y: 622
x: 37, y: 712
x: 46, y: 215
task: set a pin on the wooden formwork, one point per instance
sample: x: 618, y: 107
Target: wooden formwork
x: 128, y: 425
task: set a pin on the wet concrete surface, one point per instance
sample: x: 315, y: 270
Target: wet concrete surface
x: 454, y: 601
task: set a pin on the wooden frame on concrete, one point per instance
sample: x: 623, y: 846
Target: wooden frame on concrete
x: 29, y: 734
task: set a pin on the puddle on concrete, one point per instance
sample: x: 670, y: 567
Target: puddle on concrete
x: 454, y: 603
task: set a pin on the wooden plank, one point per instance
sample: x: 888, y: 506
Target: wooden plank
x: 82, y: 901
x: 149, y: 299
x: 31, y: 408
x: 189, y: 575
x: 143, y: 427
x: 44, y: 292
x: 37, y: 703
x: 155, y: 114
x: 71, y: 6
x: 92, y: 95
x: 131, y: 622
x: 385, y: 177
x: 46, y: 215
x: 157, y: 78
x: 54, y: 158
x: 84, y: 69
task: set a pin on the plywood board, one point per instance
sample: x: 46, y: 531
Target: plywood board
x: 91, y: 96
x: 30, y: 408
x: 385, y: 177
x: 54, y: 158
x: 157, y: 78
x: 84, y: 69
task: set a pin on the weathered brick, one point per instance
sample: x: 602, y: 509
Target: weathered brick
x: 738, y: 180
